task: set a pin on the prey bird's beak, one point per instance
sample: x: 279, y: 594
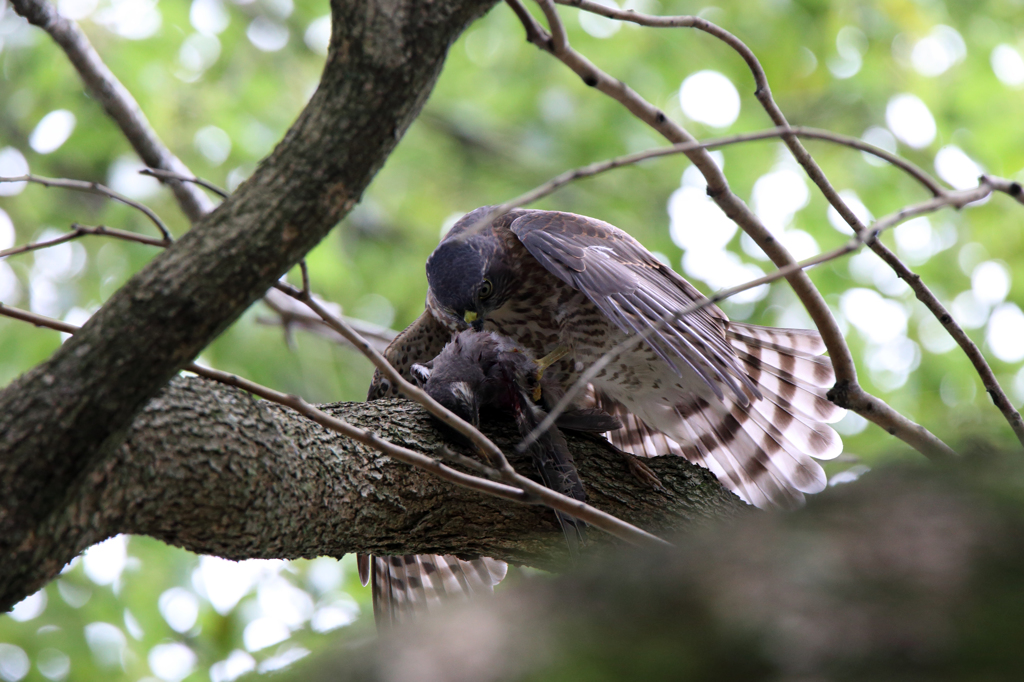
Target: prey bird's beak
x: 470, y: 316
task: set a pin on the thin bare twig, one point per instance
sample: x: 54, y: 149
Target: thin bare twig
x: 80, y: 231
x: 814, y: 171
x: 102, y: 190
x: 119, y: 104
x: 305, y: 279
x: 171, y: 175
x: 472, y: 464
x: 532, y: 493
x: 291, y: 313
x: 599, y: 167
x: 534, y: 32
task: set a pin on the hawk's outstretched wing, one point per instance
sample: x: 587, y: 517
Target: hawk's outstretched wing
x: 636, y: 292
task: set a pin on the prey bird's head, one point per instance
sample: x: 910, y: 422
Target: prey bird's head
x: 469, y: 274
x: 454, y: 379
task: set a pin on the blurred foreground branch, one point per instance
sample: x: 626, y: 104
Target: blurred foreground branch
x: 911, y: 575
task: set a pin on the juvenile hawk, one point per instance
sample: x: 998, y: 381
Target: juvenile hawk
x: 747, y: 402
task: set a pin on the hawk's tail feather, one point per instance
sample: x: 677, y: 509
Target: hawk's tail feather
x: 788, y: 458
x: 750, y: 457
x: 762, y: 450
x: 810, y: 399
x: 404, y: 586
x: 809, y: 435
x: 805, y: 342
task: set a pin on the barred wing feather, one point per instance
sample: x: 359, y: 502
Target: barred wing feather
x: 764, y: 450
x: 405, y: 586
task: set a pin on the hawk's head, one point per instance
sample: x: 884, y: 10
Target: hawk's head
x: 469, y: 277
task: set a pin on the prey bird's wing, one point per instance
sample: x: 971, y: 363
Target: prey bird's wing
x: 637, y: 293
x: 557, y: 469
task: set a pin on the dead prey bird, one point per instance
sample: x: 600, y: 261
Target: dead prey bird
x: 480, y: 372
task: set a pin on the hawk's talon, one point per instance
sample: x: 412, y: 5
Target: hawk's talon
x: 643, y: 473
x: 545, y: 362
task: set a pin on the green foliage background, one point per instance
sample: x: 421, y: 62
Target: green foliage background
x: 503, y: 118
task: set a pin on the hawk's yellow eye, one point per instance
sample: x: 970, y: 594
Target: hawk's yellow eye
x: 486, y: 289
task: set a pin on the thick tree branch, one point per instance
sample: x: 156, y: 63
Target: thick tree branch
x: 209, y: 468
x: 61, y: 418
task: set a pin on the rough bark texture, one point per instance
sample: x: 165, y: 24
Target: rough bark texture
x: 61, y: 419
x: 211, y: 469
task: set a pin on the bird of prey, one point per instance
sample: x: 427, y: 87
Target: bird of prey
x: 481, y: 371
x: 745, y: 401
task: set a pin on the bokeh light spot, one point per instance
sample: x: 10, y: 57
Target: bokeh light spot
x: 30, y: 607
x: 171, y: 662
x: 237, y: 663
x: 1006, y: 332
x: 877, y: 318
x: 208, y: 16
x: 12, y: 165
x: 52, y: 131
x: 267, y: 35
x: 179, y: 607
x: 14, y: 663
x: 910, y: 120
x: 213, y: 143
x: 990, y: 282
x: 956, y: 168
x: 709, y: 97
x: 318, y: 34
x: 104, y: 562
x: 937, y: 52
x: 1008, y: 65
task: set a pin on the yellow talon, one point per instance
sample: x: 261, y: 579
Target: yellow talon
x: 545, y: 362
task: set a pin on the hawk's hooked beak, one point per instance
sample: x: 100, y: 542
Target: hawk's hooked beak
x: 470, y: 316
